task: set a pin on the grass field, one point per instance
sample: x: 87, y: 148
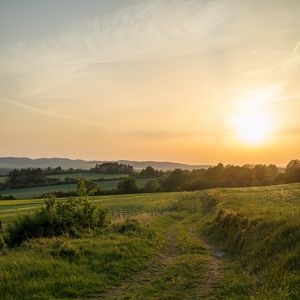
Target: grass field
x: 3, y: 179
x: 260, y: 227
x: 130, y: 204
x: 88, y: 176
x: 239, y: 243
x: 27, y: 193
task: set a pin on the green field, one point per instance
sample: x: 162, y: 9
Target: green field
x: 88, y: 176
x: 27, y: 193
x: 31, y: 192
x: 136, y: 203
x: 3, y: 179
x: 241, y: 243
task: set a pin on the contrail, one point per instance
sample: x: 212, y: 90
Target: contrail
x: 286, y: 61
x: 48, y: 113
x: 296, y: 48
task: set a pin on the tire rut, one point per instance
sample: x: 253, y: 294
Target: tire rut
x: 208, y: 287
x: 143, y: 277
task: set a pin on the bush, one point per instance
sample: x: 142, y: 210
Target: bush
x: 57, y: 218
x: 152, y: 186
x: 128, y: 185
x: 9, y: 197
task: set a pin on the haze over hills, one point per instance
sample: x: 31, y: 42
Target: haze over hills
x: 8, y: 163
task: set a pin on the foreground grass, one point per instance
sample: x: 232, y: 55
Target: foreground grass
x: 260, y: 229
x: 97, y: 263
x: 165, y: 257
x: 61, y: 268
x: 179, y: 273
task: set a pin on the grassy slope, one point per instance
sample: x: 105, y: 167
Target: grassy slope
x: 257, y: 227
x: 260, y: 227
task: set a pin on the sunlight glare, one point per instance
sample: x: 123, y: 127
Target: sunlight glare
x: 252, y: 123
x: 253, y: 128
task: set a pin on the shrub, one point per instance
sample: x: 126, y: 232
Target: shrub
x: 152, y: 186
x: 57, y: 218
x: 128, y: 185
x: 129, y: 225
x: 8, y: 197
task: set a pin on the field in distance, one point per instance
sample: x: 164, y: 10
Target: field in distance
x: 105, y: 181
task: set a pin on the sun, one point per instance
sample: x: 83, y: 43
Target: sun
x: 253, y: 128
x: 251, y: 121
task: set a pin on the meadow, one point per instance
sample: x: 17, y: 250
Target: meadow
x: 239, y: 243
x: 88, y: 176
x: 3, y: 179
x: 108, y: 184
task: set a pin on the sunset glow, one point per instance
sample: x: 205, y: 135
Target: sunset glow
x: 252, y: 123
x: 253, y: 128
x: 130, y: 80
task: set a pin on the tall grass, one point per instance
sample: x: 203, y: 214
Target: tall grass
x: 260, y: 227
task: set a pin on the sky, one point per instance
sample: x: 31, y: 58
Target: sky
x: 202, y: 81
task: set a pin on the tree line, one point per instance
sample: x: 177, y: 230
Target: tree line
x: 176, y: 180
x: 112, y: 168
x: 231, y: 176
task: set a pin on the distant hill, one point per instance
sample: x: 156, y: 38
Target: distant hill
x: 8, y: 163
x: 163, y: 165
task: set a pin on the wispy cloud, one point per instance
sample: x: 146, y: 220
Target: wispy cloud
x: 151, y: 29
x: 48, y: 112
x: 296, y: 48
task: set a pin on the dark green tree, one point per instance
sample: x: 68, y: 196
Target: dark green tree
x: 128, y: 185
x: 292, y: 171
x: 152, y: 186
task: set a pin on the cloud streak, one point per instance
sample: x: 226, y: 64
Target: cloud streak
x: 48, y: 112
x: 149, y: 30
x: 296, y: 48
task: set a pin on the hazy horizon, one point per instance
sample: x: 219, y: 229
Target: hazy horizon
x: 145, y: 160
x: 197, y: 82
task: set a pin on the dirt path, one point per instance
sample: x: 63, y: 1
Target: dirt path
x: 208, y: 287
x: 204, y: 286
x: 147, y: 275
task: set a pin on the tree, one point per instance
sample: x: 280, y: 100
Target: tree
x: 272, y: 171
x: 86, y: 188
x: 81, y: 190
x: 292, y: 171
x: 152, y: 186
x: 113, y: 168
x: 259, y: 174
x: 128, y: 185
x: 245, y: 176
x: 26, y: 177
x: 231, y: 175
x: 150, y: 172
x: 216, y: 173
x: 176, y: 181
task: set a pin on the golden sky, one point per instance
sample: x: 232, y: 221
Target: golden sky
x: 189, y: 81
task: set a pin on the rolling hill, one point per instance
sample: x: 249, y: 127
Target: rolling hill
x: 8, y: 163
